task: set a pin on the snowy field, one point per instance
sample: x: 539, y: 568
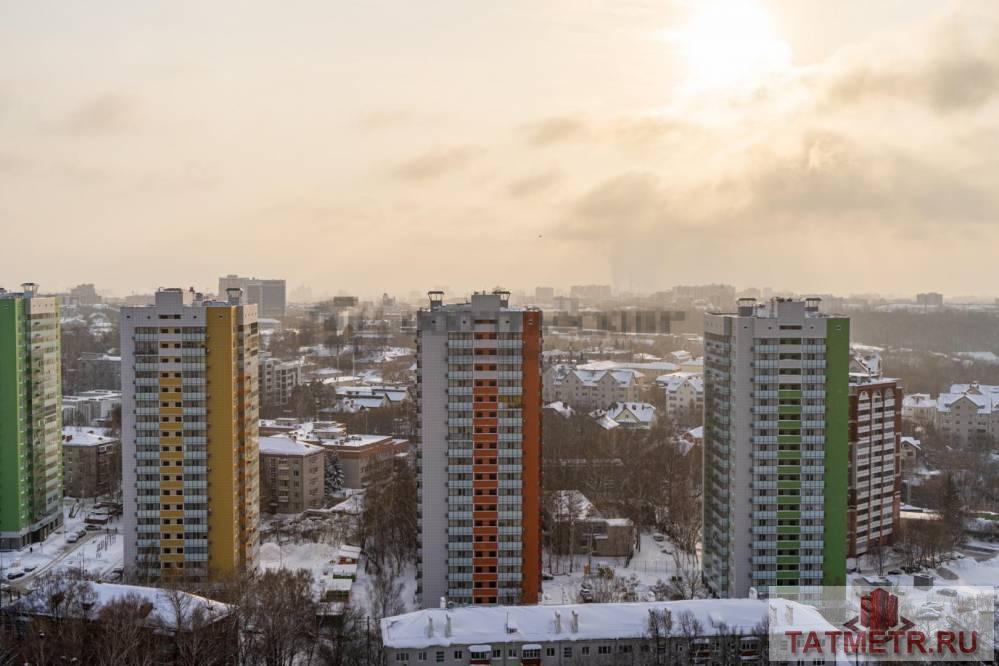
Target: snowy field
x: 97, y: 553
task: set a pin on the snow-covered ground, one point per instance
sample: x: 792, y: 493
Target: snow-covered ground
x: 648, y: 565
x: 97, y: 553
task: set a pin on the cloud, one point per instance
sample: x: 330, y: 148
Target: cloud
x: 533, y: 184
x: 105, y: 114
x: 954, y: 68
x: 435, y: 163
x: 553, y: 130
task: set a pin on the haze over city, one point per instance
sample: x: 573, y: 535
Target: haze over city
x: 521, y: 333
x: 637, y: 143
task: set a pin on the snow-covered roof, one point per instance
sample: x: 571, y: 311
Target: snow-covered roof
x: 567, y: 502
x: 286, y: 446
x: 170, y: 609
x: 984, y: 396
x: 911, y: 441
x: 918, y: 400
x: 673, y: 382
x: 560, y: 408
x: 696, y: 433
x: 632, y: 413
x: 86, y: 436
x: 360, y: 441
x: 653, y: 366
x: 480, y: 625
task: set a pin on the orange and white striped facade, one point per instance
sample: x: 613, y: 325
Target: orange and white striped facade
x: 480, y: 452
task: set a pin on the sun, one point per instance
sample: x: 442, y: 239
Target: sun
x: 728, y: 46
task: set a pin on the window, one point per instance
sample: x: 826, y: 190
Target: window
x: 402, y: 656
x: 567, y: 652
x: 439, y: 657
x: 550, y: 652
x: 422, y: 656
x: 603, y: 649
x: 458, y: 654
x: 585, y: 650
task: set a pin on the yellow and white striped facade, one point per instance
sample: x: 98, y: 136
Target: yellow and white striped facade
x: 189, y: 437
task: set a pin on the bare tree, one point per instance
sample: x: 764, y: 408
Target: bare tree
x: 124, y: 637
x: 280, y: 610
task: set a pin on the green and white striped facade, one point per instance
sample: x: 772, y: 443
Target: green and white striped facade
x: 776, y: 415
x: 30, y: 418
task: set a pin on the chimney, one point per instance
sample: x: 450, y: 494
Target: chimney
x: 235, y: 295
x: 29, y: 288
x: 558, y: 622
x: 746, y: 307
x: 447, y: 626
x: 443, y: 599
x: 574, y: 624
x: 430, y: 627
x: 812, y: 304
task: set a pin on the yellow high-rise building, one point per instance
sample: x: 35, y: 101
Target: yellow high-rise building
x: 189, y: 436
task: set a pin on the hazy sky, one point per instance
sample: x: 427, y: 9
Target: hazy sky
x: 378, y: 145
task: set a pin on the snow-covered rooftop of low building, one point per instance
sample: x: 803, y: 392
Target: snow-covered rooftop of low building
x: 560, y: 408
x: 164, y: 609
x: 472, y: 625
x: 286, y: 446
x: 86, y: 436
x: 360, y: 441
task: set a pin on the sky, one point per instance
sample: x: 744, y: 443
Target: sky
x: 376, y: 145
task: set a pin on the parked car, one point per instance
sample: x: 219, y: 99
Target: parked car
x: 92, y: 528
x: 72, y: 538
x: 14, y: 575
x: 547, y: 576
x: 895, y: 572
x: 30, y: 567
x: 658, y: 537
x: 947, y: 592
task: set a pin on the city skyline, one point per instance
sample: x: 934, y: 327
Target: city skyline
x: 609, y: 143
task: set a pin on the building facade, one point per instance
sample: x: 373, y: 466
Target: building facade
x: 267, y: 295
x: 968, y: 414
x: 30, y: 417
x: 278, y: 380
x: 479, y: 460
x: 684, y: 393
x: 592, y: 389
x: 97, y: 371
x: 189, y: 436
x: 729, y: 631
x: 875, y: 496
x: 775, y: 447
x: 291, y: 475
x: 360, y: 456
x: 91, y: 462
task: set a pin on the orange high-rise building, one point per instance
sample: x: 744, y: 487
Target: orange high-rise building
x: 480, y: 451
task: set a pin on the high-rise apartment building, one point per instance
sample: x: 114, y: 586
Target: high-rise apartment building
x: 776, y: 396
x: 480, y: 452
x: 267, y: 295
x: 875, y: 497
x: 30, y: 417
x: 189, y: 436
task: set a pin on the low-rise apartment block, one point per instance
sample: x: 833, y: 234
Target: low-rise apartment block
x: 292, y: 475
x: 91, y: 462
